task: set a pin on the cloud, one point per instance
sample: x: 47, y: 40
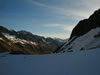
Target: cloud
x: 88, y: 7
x: 92, y: 4
x: 55, y: 35
x: 68, y: 27
x: 74, y: 13
x: 84, y: 10
x: 52, y: 25
x: 38, y: 3
x: 65, y: 27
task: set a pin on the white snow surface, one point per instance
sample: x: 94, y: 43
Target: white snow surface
x: 74, y: 63
x: 15, y: 40
x: 1, y: 38
x: 8, y: 36
x: 86, y: 41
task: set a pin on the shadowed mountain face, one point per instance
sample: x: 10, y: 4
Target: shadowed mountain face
x: 84, y: 36
x: 23, y: 42
x: 86, y: 25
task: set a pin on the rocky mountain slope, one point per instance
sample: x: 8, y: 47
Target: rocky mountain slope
x: 23, y: 42
x: 86, y: 35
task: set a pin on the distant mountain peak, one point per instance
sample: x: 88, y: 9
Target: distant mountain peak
x: 25, y: 42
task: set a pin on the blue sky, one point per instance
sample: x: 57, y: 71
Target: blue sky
x: 50, y: 18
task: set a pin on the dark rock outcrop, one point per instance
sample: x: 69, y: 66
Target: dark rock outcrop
x: 86, y: 25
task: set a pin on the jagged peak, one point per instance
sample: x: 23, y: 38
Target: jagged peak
x: 86, y: 25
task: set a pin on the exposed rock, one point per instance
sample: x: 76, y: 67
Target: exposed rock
x: 86, y: 25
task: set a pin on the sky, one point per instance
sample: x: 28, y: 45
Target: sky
x: 49, y: 18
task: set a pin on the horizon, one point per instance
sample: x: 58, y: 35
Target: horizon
x: 54, y: 18
x: 34, y: 34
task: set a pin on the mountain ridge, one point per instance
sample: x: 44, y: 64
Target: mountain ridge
x: 85, y: 29
x: 26, y: 42
x: 86, y: 25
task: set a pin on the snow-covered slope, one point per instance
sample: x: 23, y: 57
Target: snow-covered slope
x: 87, y: 41
x: 10, y: 43
x: 75, y: 63
x: 85, y: 35
x: 15, y: 40
x: 26, y: 41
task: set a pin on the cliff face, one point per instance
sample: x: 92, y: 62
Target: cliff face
x: 86, y: 25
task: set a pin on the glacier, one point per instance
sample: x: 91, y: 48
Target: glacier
x: 74, y: 63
